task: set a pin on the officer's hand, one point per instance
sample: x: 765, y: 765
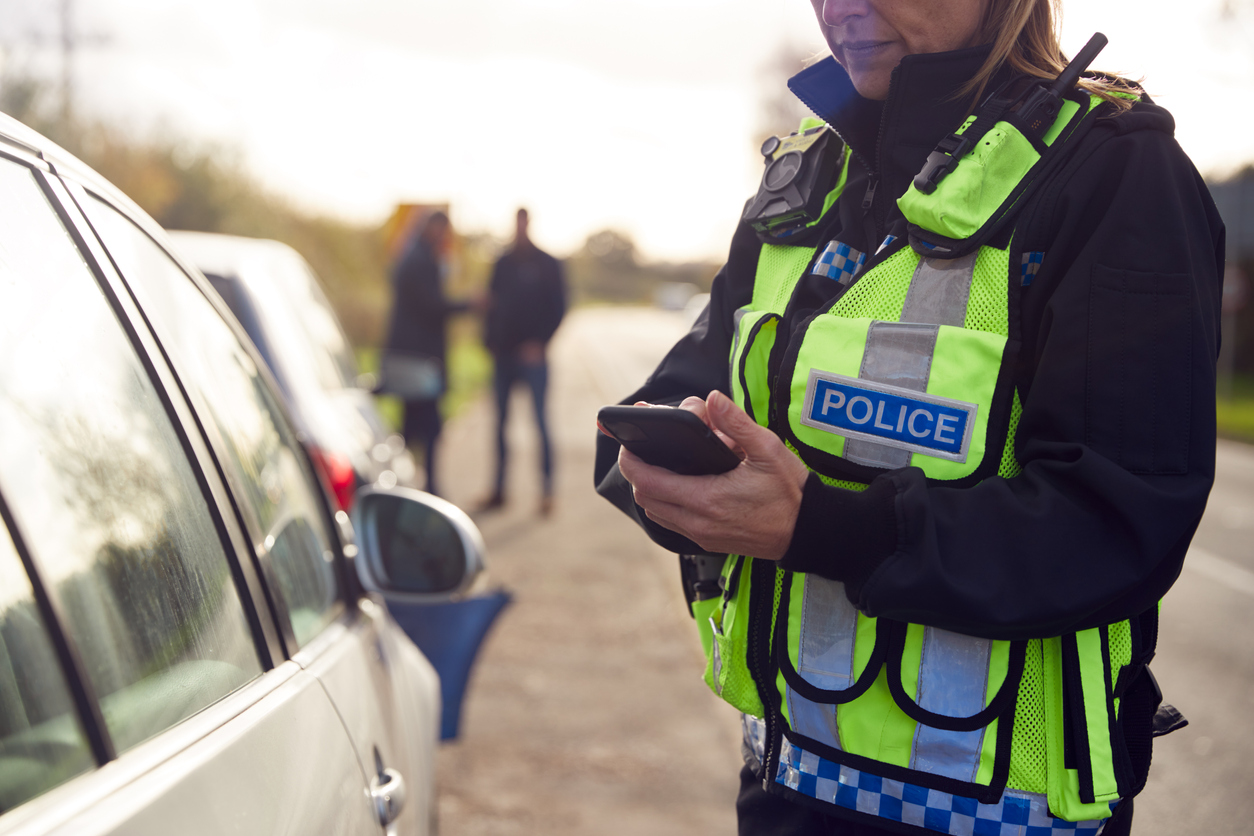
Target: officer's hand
x: 751, y: 510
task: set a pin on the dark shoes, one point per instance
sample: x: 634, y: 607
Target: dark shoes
x: 497, y: 501
x: 493, y: 503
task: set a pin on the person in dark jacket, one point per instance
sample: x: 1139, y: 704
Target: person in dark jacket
x: 414, y: 365
x: 1107, y: 406
x: 526, y: 302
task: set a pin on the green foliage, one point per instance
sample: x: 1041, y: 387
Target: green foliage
x: 206, y: 188
x: 607, y: 269
x: 1235, y: 415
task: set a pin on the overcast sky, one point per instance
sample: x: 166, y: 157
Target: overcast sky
x: 638, y: 114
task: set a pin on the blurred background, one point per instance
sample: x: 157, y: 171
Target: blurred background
x: 631, y: 132
x: 629, y: 129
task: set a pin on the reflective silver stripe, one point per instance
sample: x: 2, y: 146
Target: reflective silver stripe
x: 815, y: 720
x: 900, y: 353
x: 939, y: 291
x: 753, y: 737
x: 733, y: 362
x: 829, y: 624
x: 716, y: 660
x: 953, y: 681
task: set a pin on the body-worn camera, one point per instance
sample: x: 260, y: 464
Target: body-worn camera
x: 801, y: 169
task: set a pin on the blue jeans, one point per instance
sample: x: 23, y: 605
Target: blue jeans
x: 509, y: 370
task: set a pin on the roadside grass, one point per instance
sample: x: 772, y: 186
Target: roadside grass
x: 1235, y: 414
x: 469, y: 373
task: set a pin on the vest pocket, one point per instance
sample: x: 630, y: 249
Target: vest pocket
x: 749, y: 371
x: 828, y: 651
x: 723, y: 624
x: 1100, y: 704
x: 933, y: 396
x: 923, y: 705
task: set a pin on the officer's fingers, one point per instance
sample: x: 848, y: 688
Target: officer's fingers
x: 762, y: 448
x: 733, y: 422
x: 630, y: 465
x: 652, y: 482
x: 682, y: 520
x: 696, y: 406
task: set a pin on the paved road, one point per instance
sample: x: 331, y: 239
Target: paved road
x: 1203, y: 777
x: 587, y: 714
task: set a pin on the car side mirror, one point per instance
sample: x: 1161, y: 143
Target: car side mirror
x: 414, y: 546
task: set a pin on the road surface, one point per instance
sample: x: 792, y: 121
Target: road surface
x: 587, y: 714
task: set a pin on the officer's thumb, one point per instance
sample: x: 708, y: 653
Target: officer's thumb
x: 735, y: 423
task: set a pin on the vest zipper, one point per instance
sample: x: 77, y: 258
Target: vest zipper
x: 868, y: 200
x: 876, y: 223
x: 869, y: 227
x: 762, y: 570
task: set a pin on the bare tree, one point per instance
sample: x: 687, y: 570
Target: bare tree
x: 779, y: 110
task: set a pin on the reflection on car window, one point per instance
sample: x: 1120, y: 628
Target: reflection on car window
x: 301, y: 318
x: 101, y: 489
x: 264, y: 463
x: 41, y: 742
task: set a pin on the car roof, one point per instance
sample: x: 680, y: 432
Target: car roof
x: 63, y: 162
x: 225, y: 255
x: 29, y: 141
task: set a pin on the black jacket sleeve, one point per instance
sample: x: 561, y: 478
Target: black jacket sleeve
x: 1117, y: 436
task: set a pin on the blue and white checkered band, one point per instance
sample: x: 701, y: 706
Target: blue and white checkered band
x: 1016, y: 814
x: 888, y: 240
x: 1031, y: 265
x: 840, y: 262
x: 889, y: 415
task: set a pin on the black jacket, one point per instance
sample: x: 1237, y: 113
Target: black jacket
x: 1119, y: 334
x: 420, y: 311
x: 528, y: 299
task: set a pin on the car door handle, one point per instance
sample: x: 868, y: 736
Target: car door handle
x: 388, y: 792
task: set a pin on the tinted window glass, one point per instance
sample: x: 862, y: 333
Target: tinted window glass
x: 101, y: 488
x: 265, y: 465
x: 41, y: 742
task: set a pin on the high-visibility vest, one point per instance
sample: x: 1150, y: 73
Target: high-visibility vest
x: 910, y: 366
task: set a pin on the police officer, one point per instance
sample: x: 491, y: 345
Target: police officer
x: 973, y: 394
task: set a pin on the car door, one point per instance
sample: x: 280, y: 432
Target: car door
x: 383, y: 689
x: 143, y: 687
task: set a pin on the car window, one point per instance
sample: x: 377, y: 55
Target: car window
x: 263, y: 461
x: 101, y: 489
x: 41, y: 741
x: 302, y: 325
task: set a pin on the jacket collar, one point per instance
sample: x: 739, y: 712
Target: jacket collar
x: 893, y: 138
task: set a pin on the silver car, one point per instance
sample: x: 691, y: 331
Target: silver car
x: 192, y: 639
x: 278, y: 301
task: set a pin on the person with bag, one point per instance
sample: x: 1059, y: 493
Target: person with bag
x: 965, y: 346
x: 414, y: 368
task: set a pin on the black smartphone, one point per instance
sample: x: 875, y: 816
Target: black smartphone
x: 668, y: 437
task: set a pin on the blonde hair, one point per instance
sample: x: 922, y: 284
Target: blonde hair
x: 1024, y: 35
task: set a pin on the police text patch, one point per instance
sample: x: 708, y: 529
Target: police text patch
x: 889, y: 415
